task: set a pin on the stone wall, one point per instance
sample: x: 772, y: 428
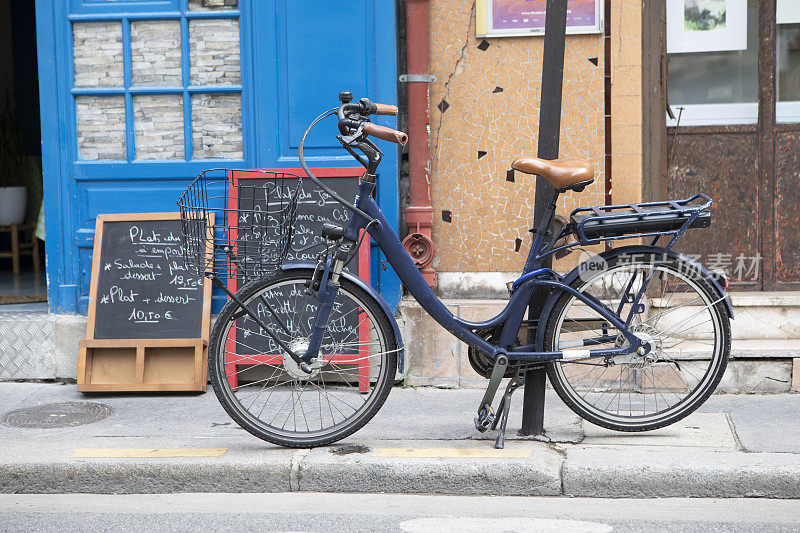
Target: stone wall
x: 208, y: 5
x: 626, y: 101
x: 158, y: 126
x: 765, y: 351
x: 214, y: 52
x: 217, y: 126
x: 485, y: 111
x: 97, y: 48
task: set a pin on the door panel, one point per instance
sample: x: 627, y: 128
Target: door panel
x: 319, y: 63
x: 304, y: 53
x: 787, y: 207
x: 723, y: 166
x: 110, y: 117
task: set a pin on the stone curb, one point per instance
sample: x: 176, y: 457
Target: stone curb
x: 142, y: 478
x: 660, y: 472
x: 594, y: 471
x: 537, y: 475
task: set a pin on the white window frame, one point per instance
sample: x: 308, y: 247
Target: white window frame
x: 715, y: 114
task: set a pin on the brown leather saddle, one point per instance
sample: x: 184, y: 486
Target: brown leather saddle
x: 563, y: 174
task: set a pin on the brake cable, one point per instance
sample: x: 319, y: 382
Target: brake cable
x: 333, y: 194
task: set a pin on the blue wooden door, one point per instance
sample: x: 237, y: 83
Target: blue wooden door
x: 137, y: 97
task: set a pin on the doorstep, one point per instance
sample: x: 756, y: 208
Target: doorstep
x: 39, y: 345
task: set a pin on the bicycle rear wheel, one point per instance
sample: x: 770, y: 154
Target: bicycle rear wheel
x: 684, y: 318
x: 267, y: 393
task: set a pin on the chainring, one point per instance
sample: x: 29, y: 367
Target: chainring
x: 482, y: 363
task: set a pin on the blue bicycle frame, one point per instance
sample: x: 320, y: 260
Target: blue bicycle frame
x: 510, y: 318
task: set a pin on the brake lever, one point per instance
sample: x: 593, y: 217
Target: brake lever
x: 358, y: 137
x: 358, y: 157
x: 372, y: 145
x: 347, y: 140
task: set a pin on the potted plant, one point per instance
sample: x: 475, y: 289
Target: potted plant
x: 13, y: 167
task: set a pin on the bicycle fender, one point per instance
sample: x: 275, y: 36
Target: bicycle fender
x: 632, y: 249
x: 307, y: 265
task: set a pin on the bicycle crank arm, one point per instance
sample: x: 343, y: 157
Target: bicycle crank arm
x: 486, y: 415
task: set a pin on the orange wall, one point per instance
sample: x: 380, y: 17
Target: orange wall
x: 488, y: 212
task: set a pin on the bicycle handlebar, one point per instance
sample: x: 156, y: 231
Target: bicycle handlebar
x: 387, y: 134
x: 385, y: 109
x: 353, y: 115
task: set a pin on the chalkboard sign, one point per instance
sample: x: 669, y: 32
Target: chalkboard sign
x: 149, y: 317
x: 143, y: 290
x: 314, y: 208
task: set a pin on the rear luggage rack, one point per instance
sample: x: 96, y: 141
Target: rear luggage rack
x: 610, y: 222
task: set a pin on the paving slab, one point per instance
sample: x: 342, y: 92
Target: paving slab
x: 763, y: 423
x: 698, y: 430
x: 13, y: 395
x: 441, y: 414
x: 409, y: 413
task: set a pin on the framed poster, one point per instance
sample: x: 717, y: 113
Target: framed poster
x: 516, y: 18
x: 706, y: 26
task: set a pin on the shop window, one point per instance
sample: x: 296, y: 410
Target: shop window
x: 712, y: 47
x: 97, y: 48
x: 165, y: 88
x: 156, y: 52
x: 788, y: 61
x: 101, y: 127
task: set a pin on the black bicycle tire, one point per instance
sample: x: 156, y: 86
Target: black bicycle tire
x: 382, y: 387
x: 564, y: 392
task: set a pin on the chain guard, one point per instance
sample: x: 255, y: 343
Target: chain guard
x: 482, y: 363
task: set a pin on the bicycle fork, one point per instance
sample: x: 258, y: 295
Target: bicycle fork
x: 326, y: 296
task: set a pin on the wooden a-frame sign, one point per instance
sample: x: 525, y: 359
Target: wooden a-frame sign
x: 148, y: 318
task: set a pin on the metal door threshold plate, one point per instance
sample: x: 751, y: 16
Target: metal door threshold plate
x: 57, y: 415
x: 27, y: 345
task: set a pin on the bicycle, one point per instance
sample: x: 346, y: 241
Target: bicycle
x: 634, y: 339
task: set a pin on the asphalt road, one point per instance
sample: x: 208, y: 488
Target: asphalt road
x: 384, y: 512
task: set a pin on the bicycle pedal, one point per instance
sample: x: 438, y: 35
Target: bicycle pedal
x: 485, y: 419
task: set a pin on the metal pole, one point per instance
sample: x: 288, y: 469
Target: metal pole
x: 549, y: 131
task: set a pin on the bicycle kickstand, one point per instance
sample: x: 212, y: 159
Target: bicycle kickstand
x: 503, y: 410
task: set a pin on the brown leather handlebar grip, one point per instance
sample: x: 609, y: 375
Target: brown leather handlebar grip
x: 387, y: 134
x: 386, y: 109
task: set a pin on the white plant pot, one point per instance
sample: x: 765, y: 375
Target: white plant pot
x: 13, y: 201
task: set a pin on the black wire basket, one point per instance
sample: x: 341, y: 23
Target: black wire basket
x: 238, y: 224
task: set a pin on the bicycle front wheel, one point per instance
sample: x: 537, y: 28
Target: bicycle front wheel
x: 681, y: 315
x: 267, y: 393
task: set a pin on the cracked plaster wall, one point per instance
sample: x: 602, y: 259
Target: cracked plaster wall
x: 488, y: 212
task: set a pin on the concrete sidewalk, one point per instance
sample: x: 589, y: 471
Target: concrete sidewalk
x: 422, y: 441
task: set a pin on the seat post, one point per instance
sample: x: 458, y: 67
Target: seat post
x: 540, y: 234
